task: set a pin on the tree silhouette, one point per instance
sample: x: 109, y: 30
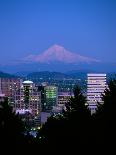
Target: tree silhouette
x: 71, y: 127
x: 79, y: 117
x: 105, y: 116
x: 77, y: 104
x: 11, y: 126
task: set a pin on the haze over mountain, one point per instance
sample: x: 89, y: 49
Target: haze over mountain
x: 57, y: 58
x: 59, y: 54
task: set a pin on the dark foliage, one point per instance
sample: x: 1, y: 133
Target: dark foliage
x: 70, y: 128
x: 73, y: 130
x: 11, y: 126
x: 105, y: 117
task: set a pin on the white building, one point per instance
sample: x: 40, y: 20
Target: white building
x: 96, y: 84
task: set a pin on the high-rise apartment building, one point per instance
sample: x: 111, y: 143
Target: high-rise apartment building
x: 96, y: 84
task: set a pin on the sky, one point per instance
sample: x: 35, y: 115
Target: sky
x: 87, y: 27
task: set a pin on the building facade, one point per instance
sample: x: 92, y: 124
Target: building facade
x: 2, y: 96
x: 28, y: 101
x: 9, y: 86
x: 96, y: 84
x: 51, y: 97
x: 64, y: 97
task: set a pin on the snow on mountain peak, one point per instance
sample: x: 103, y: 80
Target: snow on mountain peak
x: 60, y: 54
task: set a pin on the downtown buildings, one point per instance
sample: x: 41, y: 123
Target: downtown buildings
x: 34, y: 101
x: 30, y: 100
x: 28, y: 103
x: 96, y: 84
x: 23, y: 97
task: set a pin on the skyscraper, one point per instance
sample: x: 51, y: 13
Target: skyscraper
x: 51, y: 97
x: 28, y: 100
x: 2, y: 96
x: 96, y: 84
x: 8, y: 87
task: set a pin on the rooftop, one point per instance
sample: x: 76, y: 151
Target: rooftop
x: 27, y: 82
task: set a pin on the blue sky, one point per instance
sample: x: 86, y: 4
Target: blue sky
x: 87, y: 27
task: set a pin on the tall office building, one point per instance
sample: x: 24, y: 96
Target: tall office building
x: 9, y: 86
x: 51, y: 97
x: 28, y: 101
x: 96, y: 84
x: 41, y: 90
x: 2, y: 96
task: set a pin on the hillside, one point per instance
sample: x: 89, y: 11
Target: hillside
x: 7, y: 75
x: 47, y: 75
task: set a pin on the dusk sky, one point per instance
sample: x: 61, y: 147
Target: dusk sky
x: 87, y: 27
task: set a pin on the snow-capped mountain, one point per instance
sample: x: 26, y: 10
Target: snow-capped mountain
x: 57, y: 58
x: 59, y: 54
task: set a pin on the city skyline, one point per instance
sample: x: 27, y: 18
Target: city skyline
x: 84, y: 27
x: 57, y: 76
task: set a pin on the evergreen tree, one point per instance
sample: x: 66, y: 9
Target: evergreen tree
x: 77, y: 104
x: 106, y: 116
x: 11, y: 126
x: 71, y: 127
x: 79, y: 117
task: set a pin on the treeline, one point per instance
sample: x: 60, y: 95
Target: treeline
x: 73, y: 130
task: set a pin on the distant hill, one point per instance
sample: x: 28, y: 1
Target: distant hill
x: 23, y: 73
x: 81, y: 74
x: 7, y: 75
x: 47, y: 75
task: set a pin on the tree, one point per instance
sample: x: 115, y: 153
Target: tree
x: 79, y: 117
x: 77, y: 104
x: 72, y: 126
x: 106, y: 115
x: 11, y: 126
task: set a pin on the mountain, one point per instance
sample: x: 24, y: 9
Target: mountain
x: 59, y: 54
x: 57, y: 59
x: 6, y: 75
